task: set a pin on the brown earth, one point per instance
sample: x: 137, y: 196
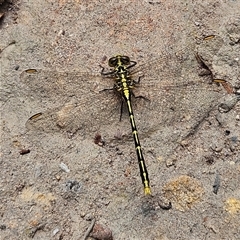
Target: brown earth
x: 56, y: 183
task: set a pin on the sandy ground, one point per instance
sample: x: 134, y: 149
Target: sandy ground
x: 66, y: 184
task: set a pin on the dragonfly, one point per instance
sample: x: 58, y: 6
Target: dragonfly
x: 164, y: 94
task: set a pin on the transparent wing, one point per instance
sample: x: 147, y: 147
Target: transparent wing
x: 81, y: 103
x: 176, y: 97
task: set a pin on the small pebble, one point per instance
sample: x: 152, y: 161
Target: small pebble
x: 170, y: 162
x: 58, y: 177
x: 82, y: 214
x: 89, y: 217
x: 55, y: 231
x: 24, y: 151
x: 101, y: 232
x: 64, y: 167
x: 16, y: 67
x: 197, y: 23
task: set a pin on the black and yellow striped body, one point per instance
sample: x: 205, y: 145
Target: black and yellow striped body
x: 124, y: 84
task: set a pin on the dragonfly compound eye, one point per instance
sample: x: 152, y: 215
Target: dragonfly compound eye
x: 125, y: 60
x: 112, y: 62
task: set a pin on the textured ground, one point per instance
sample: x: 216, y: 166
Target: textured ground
x: 67, y: 182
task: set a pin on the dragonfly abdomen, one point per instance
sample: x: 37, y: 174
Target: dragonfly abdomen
x: 141, y: 162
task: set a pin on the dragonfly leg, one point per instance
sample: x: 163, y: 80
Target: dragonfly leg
x: 139, y: 79
x: 133, y: 63
x: 106, y: 73
x: 140, y: 96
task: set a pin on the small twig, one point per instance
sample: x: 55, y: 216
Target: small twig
x: 12, y: 42
x: 89, y: 229
x: 33, y: 231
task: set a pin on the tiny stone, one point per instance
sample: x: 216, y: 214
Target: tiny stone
x: 64, y: 167
x: 88, y: 217
x: 184, y: 143
x: 197, y: 23
x: 55, y: 231
x: 58, y: 177
x: 82, y: 214
x: 101, y: 232
x: 169, y: 162
x: 16, y: 67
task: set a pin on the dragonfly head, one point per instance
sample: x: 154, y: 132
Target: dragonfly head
x: 119, y: 60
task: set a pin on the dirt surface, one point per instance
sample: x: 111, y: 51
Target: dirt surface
x: 57, y: 183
